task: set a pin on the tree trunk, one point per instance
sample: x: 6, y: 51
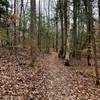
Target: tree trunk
x: 48, y: 37
x: 74, y: 33
x: 7, y: 28
x: 99, y: 15
x: 99, y: 9
x: 33, y: 30
x: 14, y: 42
x: 61, y: 53
x: 66, y: 50
x: 20, y: 21
x: 88, y: 5
x: 39, y: 26
x: 56, y: 30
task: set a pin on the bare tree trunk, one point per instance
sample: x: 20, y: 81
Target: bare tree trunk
x: 33, y: 30
x: 66, y: 50
x: 14, y: 42
x: 88, y: 5
x: 99, y: 9
x: 48, y: 38
x: 99, y: 15
x: 95, y: 58
x: 39, y: 26
x: 20, y: 21
x: 7, y: 28
x: 56, y: 30
x: 61, y: 52
x: 24, y: 23
x: 74, y: 33
x: 93, y: 40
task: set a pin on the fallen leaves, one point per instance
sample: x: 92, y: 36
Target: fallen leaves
x: 49, y: 80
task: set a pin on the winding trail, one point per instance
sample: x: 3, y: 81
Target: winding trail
x: 51, y: 81
x: 62, y: 83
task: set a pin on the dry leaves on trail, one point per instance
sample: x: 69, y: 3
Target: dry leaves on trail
x: 51, y: 81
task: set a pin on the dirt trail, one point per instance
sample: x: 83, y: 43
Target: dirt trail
x: 62, y: 83
x: 52, y: 81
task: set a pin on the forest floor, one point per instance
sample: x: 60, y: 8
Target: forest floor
x: 48, y: 80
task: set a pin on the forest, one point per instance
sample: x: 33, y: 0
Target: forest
x: 49, y: 49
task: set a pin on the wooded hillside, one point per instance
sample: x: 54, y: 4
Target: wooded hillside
x: 50, y: 49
